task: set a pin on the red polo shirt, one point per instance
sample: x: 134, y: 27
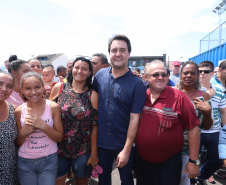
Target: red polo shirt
x: 160, y: 135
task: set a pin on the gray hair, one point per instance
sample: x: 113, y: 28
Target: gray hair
x: 102, y: 56
x: 156, y: 61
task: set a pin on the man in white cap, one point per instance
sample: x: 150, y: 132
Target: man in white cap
x: 175, y: 74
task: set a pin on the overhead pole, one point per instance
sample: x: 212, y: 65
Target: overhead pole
x: 219, y: 10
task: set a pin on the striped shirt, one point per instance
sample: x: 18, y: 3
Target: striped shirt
x: 218, y: 102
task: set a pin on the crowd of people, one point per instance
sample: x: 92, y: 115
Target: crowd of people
x: 160, y: 127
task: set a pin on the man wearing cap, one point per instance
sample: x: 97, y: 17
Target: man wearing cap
x: 175, y: 74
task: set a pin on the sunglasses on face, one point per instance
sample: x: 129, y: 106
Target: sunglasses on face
x: 205, y: 71
x: 156, y: 75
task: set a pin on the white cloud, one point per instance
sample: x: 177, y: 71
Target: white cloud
x: 83, y: 27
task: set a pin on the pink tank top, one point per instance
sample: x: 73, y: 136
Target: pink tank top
x: 15, y: 99
x: 37, y: 144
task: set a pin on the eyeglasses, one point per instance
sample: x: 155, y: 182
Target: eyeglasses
x: 205, y: 71
x: 156, y: 75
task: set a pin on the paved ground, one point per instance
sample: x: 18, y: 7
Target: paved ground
x: 116, y: 180
x: 218, y: 180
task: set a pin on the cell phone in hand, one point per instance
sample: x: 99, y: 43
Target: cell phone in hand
x: 201, y: 98
x: 89, y: 169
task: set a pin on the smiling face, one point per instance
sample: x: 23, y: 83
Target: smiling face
x: 80, y: 71
x: 156, y: 84
x: 189, y: 75
x: 32, y: 88
x: 6, y: 86
x: 36, y: 66
x: 119, y: 54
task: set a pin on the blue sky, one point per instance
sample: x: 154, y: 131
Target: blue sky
x: 174, y: 27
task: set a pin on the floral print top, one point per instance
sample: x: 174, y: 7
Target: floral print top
x: 78, y: 117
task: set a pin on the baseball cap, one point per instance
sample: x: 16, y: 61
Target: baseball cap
x: 176, y: 63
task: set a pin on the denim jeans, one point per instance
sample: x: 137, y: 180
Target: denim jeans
x: 78, y: 166
x: 211, y: 162
x: 106, y: 159
x: 40, y: 171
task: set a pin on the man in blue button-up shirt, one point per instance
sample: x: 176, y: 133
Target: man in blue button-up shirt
x: 121, y: 97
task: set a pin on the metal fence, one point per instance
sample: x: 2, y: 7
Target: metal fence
x: 212, y: 39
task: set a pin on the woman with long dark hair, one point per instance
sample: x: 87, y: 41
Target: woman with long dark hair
x: 78, y: 148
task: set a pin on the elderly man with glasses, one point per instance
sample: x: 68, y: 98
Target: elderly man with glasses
x: 167, y: 112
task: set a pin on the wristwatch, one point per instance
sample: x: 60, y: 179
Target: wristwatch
x: 196, y: 162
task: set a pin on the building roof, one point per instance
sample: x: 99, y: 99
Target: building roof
x: 47, y: 58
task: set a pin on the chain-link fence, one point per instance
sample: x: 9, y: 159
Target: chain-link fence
x: 212, y: 39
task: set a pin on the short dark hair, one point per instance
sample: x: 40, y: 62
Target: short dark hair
x: 207, y: 63
x: 16, y: 64
x: 61, y: 68
x: 119, y: 37
x: 137, y: 70
x: 222, y: 65
x: 89, y: 79
x: 102, y: 56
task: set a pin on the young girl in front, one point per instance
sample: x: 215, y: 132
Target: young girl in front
x: 39, y: 129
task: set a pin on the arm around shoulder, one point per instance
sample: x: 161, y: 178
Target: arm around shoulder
x: 55, y: 91
x: 94, y: 99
